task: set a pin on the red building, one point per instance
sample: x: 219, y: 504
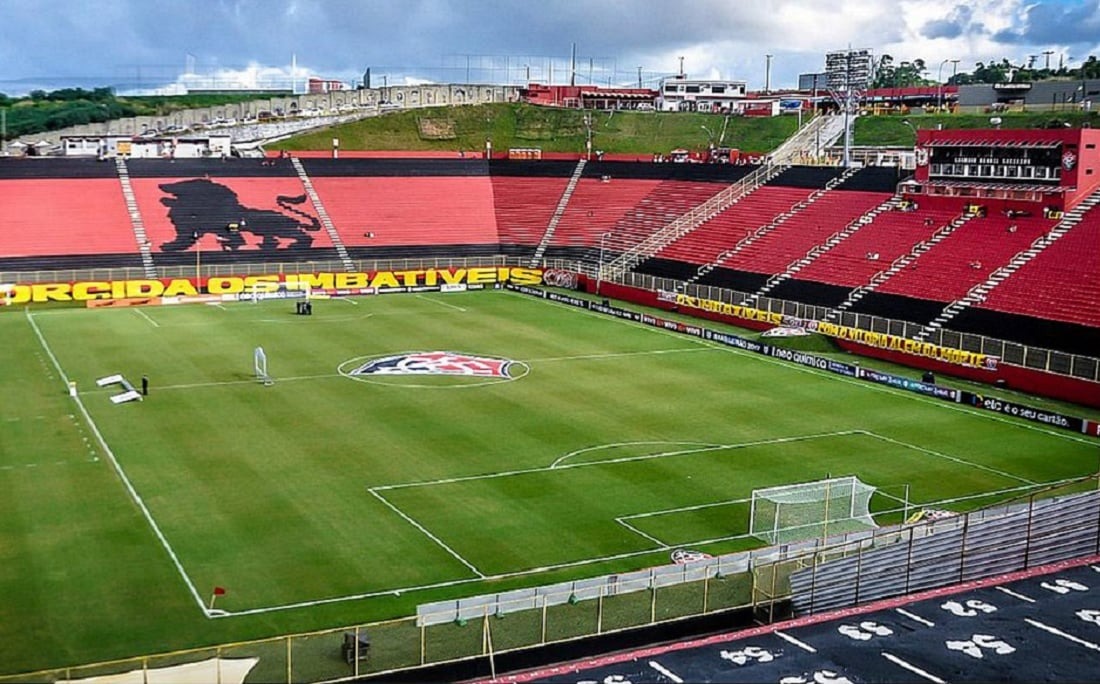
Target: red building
x: 588, y: 96
x: 1032, y: 170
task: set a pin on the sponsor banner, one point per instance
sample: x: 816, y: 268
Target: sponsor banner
x: 452, y: 287
x: 1090, y: 428
x: 556, y: 277
x: 801, y: 358
x: 867, y: 337
x: 398, y: 280
x: 785, y: 331
x: 1029, y: 413
x: 917, y: 386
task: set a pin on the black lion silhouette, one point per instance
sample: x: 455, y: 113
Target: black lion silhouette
x: 199, y: 206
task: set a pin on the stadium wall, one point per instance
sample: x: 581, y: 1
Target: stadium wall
x: 1018, y: 378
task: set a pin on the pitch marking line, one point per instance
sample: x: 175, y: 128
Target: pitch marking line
x: 625, y: 459
x: 977, y: 413
x: 446, y: 304
x: 956, y: 459
x: 146, y: 513
x: 702, y: 446
x: 146, y: 316
x: 428, y: 534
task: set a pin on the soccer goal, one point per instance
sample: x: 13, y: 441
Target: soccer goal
x: 259, y: 366
x: 811, y: 510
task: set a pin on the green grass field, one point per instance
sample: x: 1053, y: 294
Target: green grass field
x: 316, y: 500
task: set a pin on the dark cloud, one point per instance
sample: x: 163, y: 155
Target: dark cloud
x: 1057, y: 23
x: 955, y: 24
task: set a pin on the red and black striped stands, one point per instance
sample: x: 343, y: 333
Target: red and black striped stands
x: 830, y: 278
x: 408, y: 207
x: 61, y: 214
x: 631, y: 201
x: 1062, y: 282
x: 525, y: 195
x: 965, y: 258
x: 236, y: 210
x: 792, y: 239
x: 704, y: 244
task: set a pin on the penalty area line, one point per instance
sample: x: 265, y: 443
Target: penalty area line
x: 134, y: 496
x: 446, y: 304
x: 439, y: 542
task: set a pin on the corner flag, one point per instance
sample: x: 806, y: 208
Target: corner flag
x: 218, y: 591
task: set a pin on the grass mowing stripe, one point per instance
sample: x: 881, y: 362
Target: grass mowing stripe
x: 118, y: 468
x: 987, y: 415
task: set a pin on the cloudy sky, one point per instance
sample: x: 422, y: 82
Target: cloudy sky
x: 151, y: 43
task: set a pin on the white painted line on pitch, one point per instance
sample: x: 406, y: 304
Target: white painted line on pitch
x: 436, y: 301
x: 619, y: 355
x: 686, y: 509
x: 638, y: 532
x: 790, y: 639
x: 144, y: 315
x: 428, y: 534
x: 912, y: 668
x: 222, y: 383
x: 625, y: 459
x: 616, y: 445
x: 118, y: 468
x: 914, y: 617
x: 1065, y: 635
x: 956, y: 459
x: 666, y: 672
x: 688, y: 452
x: 349, y: 300
x: 1013, y: 594
x: 939, y: 403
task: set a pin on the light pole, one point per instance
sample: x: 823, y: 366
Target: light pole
x: 599, y: 265
x: 939, y: 86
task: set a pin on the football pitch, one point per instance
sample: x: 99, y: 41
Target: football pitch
x: 413, y: 448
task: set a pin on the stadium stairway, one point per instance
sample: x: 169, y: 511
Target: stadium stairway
x: 898, y: 265
x: 691, y: 220
x: 763, y: 231
x: 326, y: 221
x: 559, y: 211
x: 136, y: 221
x: 819, y: 250
x: 980, y: 292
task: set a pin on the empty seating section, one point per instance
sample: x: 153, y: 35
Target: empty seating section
x: 758, y: 208
x: 811, y: 226
x: 1061, y: 283
x: 63, y: 216
x: 524, y: 207
x: 229, y: 214
x: 873, y: 247
x: 967, y: 256
x: 597, y: 207
x: 382, y: 211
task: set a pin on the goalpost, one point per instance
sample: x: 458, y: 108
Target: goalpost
x: 811, y: 510
x: 259, y: 366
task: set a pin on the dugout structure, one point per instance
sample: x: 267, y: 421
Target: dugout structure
x: 811, y: 510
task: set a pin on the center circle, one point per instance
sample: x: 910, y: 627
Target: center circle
x: 433, y: 369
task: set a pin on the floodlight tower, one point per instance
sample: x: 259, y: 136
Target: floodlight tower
x: 848, y: 74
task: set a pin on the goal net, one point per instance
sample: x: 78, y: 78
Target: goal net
x: 811, y: 510
x: 259, y: 366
